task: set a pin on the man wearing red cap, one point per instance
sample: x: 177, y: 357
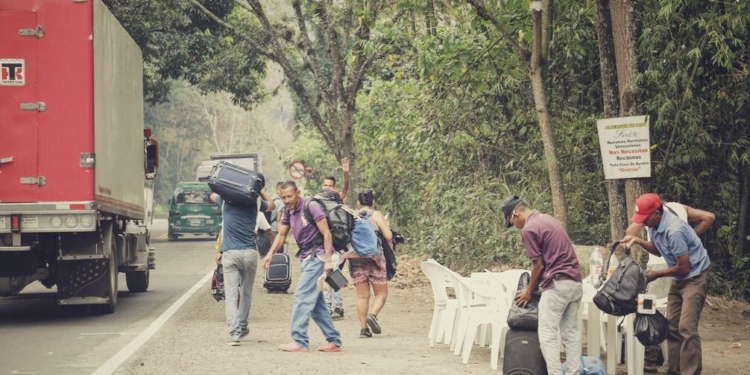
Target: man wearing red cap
x: 687, y: 261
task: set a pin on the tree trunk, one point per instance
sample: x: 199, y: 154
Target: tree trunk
x: 540, y: 103
x: 742, y: 225
x: 623, y: 32
x: 618, y: 216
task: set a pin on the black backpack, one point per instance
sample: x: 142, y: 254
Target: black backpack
x: 340, y: 222
x: 619, y: 295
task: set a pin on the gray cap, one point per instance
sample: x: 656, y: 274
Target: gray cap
x: 508, y: 206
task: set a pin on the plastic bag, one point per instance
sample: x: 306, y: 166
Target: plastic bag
x: 217, y: 283
x: 589, y: 366
x: 650, y: 329
x: 526, y: 317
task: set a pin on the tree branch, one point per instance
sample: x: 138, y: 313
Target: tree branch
x: 334, y: 55
x: 233, y: 29
x: 483, y: 13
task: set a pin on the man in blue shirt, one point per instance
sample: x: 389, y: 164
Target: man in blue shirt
x: 239, y: 258
x: 687, y: 261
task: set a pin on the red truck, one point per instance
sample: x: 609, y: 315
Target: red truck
x: 76, y: 164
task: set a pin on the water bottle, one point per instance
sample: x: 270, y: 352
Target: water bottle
x: 595, y: 264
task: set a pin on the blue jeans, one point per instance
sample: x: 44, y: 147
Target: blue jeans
x: 309, y: 303
x: 239, y: 276
x: 558, y: 311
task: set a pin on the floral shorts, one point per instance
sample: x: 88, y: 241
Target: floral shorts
x: 363, y: 270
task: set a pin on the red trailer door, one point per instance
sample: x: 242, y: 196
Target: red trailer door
x: 20, y: 107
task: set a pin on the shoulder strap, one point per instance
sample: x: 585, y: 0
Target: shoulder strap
x: 307, y: 213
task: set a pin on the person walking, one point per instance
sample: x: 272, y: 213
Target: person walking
x: 556, y: 269
x: 314, y: 261
x: 335, y: 299
x: 367, y: 272
x: 239, y: 258
x: 687, y: 263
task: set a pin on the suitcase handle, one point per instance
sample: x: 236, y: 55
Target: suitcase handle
x: 241, y: 171
x: 231, y: 183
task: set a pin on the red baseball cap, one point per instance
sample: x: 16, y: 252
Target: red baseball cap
x: 644, y: 206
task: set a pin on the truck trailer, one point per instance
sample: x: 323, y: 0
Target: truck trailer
x: 76, y: 164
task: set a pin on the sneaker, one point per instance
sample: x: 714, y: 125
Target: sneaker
x: 330, y: 347
x: 365, y: 333
x: 244, y: 332
x: 337, y: 314
x: 293, y: 348
x: 234, y: 341
x: 372, y: 321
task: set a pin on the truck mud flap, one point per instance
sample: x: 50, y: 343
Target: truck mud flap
x: 83, y: 279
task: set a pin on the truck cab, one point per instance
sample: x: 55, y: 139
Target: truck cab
x: 191, y: 211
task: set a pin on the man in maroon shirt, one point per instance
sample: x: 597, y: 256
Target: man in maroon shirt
x: 556, y: 270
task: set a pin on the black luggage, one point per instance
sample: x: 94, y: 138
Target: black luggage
x: 523, y: 356
x: 278, y: 276
x: 235, y: 184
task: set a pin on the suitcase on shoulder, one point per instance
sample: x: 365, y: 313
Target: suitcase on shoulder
x: 278, y: 276
x: 523, y: 355
x: 235, y: 184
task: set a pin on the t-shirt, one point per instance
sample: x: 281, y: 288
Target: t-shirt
x: 674, y: 238
x: 276, y: 212
x: 544, y: 237
x: 262, y: 223
x: 305, y: 233
x: 239, y: 224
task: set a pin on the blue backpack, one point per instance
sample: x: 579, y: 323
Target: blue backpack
x: 364, y: 238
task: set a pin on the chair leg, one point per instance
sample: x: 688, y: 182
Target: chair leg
x: 463, y: 321
x: 469, y: 340
x: 497, y: 336
x: 435, y: 327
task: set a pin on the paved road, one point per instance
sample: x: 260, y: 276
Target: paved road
x: 38, y: 337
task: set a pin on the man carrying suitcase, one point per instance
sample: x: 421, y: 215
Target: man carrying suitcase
x: 557, y: 271
x: 315, y: 260
x: 239, y: 258
x: 335, y: 299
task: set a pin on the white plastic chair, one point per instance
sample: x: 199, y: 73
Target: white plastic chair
x: 493, y: 312
x: 444, y: 310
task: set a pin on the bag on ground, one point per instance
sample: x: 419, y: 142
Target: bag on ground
x: 651, y: 329
x: 619, y: 295
x: 526, y: 317
x: 340, y: 222
x: 589, y: 366
x: 217, y: 283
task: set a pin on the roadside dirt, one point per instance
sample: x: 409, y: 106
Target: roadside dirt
x: 194, y: 340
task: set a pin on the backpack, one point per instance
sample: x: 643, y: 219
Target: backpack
x: 340, y: 222
x: 619, y: 295
x: 364, y: 237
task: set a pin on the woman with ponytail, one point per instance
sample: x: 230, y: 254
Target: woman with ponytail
x: 366, y: 272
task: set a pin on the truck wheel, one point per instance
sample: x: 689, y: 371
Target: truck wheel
x: 137, y: 281
x: 172, y: 237
x: 109, y: 308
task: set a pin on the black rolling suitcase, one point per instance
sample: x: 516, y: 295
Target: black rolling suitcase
x: 523, y: 356
x: 278, y: 276
x: 235, y: 184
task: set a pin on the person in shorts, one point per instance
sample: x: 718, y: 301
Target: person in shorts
x: 370, y: 272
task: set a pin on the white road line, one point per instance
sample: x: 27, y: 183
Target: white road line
x: 113, y: 363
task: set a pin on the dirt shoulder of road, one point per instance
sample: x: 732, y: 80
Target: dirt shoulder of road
x: 194, y: 340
